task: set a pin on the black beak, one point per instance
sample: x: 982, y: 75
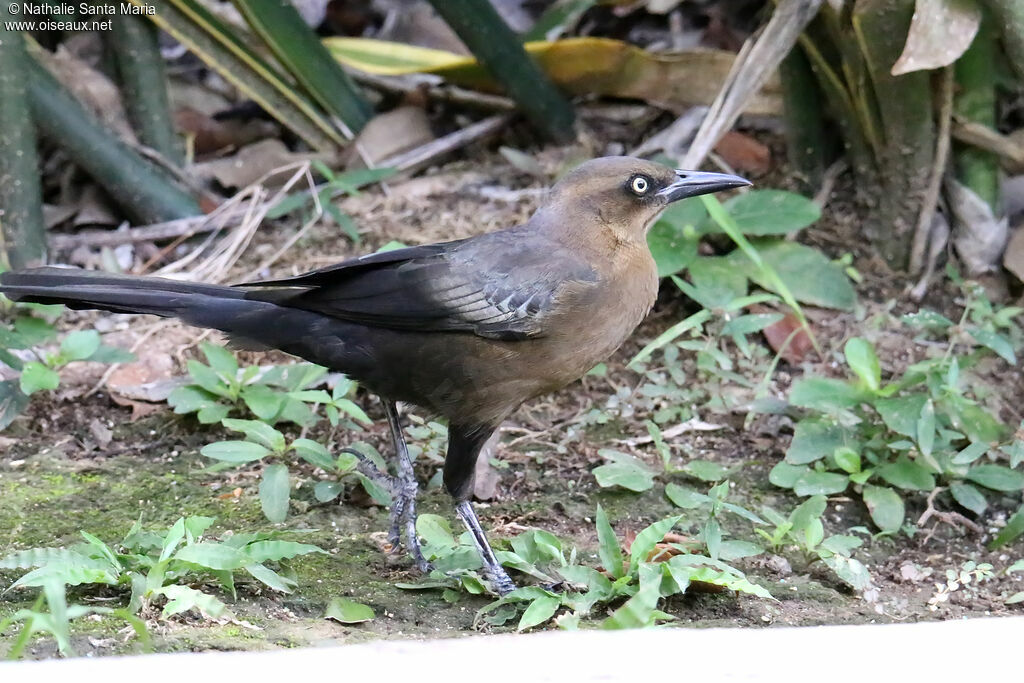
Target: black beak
x: 693, y: 183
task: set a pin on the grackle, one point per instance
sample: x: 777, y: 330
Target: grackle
x: 468, y: 329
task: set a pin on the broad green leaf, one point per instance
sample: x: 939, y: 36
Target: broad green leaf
x: 234, y: 451
x: 625, y: 471
x: 539, y: 611
x: 902, y: 413
x: 608, y: 545
x: 212, y: 555
x: 80, y: 344
x: 645, y: 541
x: 805, y: 271
x: 275, y: 491
x: 705, y: 470
x: 886, y: 508
x: 347, y: 611
x: 182, y: 599
x: 258, y: 432
x: 996, y: 342
x: 813, y: 439
x: 273, y: 550
x: 37, y: 377
x: 861, y: 357
x: 673, y: 238
x: 969, y: 497
x: 815, y: 483
x: 996, y: 477
x: 904, y: 473
x: 770, y: 212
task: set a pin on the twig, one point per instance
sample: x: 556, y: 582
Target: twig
x: 405, y: 85
x: 931, y: 194
x: 422, y: 156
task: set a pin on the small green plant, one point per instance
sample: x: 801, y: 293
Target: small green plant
x: 23, y: 329
x: 154, y: 568
x: 923, y: 429
x: 281, y: 393
x: 321, y: 201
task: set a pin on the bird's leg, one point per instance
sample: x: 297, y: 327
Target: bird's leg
x: 403, y: 489
x: 497, y: 575
x: 403, y: 505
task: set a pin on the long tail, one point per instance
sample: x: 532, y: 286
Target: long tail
x: 203, y: 305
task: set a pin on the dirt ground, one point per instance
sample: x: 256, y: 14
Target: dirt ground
x: 60, y: 473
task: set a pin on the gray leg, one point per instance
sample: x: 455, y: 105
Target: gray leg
x: 492, y: 568
x: 403, y: 489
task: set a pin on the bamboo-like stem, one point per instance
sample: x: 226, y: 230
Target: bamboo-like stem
x: 975, y: 101
x: 133, y: 40
x: 494, y: 44
x: 21, y: 204
x: 146, y: 194
x: 805, y: 134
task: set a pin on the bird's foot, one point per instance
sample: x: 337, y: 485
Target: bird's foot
x: 403, y: 490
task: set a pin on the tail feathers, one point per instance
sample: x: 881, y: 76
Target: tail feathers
x: 198, y: 304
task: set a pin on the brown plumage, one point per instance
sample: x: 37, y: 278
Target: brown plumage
x: 467, y: 329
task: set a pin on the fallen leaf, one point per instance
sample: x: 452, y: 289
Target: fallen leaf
x: 744, y: 153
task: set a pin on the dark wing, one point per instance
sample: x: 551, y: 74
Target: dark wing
x: 501, y: 286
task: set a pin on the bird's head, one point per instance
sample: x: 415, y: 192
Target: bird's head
x: 626, y: 194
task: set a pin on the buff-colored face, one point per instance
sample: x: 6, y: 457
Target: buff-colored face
x: 629, y: 192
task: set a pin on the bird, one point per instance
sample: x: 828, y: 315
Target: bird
x: 467, y: 329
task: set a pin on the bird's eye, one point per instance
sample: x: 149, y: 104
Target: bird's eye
x: 640, y: 185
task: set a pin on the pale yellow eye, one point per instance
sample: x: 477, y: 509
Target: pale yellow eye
x: 640, y: 185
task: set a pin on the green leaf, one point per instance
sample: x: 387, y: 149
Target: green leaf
x: 313, y: 453
x: 813, y: 439
x: 901, y: 414
x: 907, y: 474
x: 539, y: 611
x: 645, y: 541
x: 886, y: 508
x: 1013, y: 529
x: 996, y: 477
x: 861, y: 357
x: 347, y: 611
x: 995, y: 342
x: 806, y: 272
x: 673, y: 238
x: 771, y: 212
x: 37, y: 377
x: 822, y: 393
x: 705, y: 470
x: 234, y: 451
x: 608, y: 546
x: 684, y: 497
x: 624, y: 470
x: 326, y: 491
x: 257, y: 432
x: 814, y: 483
x: 80, y: 344
x: 275, y: 491
x: 182, y: 599
x: 12, y: 402
x: 274, y: 550
x: 212, y: 556
x: 969, y: 497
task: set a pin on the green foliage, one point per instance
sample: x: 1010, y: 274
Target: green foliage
x: 24, y: 328
x: 633, y: 582
x: 152, y: 569
x: 924, y: 429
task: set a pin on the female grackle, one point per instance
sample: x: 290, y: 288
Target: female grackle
x: 468, y: 329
